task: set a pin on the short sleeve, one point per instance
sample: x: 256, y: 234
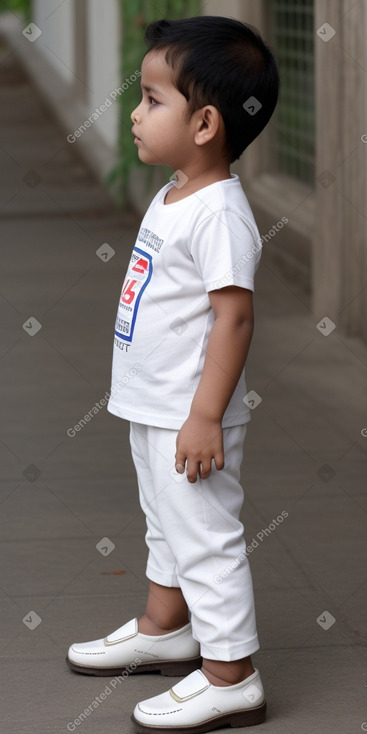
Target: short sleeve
x: 226, y: 251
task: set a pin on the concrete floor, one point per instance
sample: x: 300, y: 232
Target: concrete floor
x: 60, y: 495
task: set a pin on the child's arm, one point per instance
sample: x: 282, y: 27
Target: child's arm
x: 200, y: 439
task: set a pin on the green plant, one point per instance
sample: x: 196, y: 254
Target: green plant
x: 17, y: 6
x: 136, y: 16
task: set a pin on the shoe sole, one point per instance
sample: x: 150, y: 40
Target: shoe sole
x: 164, y: 667
x: 249, y: 717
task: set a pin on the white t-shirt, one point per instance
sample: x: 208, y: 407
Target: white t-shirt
x: 184, y: 250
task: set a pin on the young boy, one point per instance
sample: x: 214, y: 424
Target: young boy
x: 182, y: 334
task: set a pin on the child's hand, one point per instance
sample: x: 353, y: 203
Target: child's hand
x: 199, y: 441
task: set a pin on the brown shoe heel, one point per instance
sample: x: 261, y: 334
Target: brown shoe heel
x: 251, y: 717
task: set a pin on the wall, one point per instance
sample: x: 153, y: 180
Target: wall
x: 56, y: 42
x: 103, y: 33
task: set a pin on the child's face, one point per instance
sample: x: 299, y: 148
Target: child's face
x: 163, y: 137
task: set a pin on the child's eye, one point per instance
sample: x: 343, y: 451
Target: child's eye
x: 152, y: 101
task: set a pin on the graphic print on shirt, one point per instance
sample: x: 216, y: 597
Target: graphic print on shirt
x: 137, y: 278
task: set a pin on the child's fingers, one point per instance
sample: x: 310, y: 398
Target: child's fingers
x: 180, y: 461
x: 205, y: 469
x: 219, y: 460
x: 192, y: 469
x: 198, y: 460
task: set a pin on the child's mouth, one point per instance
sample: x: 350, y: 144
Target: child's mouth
x: 136, y: 139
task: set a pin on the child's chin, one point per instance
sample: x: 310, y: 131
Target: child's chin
x: 149, y: 158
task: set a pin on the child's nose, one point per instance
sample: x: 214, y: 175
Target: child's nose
x: 135, y: 115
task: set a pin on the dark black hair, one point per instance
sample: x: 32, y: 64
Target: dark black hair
x: 224, y: 63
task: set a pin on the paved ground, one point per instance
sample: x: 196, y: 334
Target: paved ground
x: 60, y: 495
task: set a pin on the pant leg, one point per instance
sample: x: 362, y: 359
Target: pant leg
x: 161, y: 564
x: 201, y: 527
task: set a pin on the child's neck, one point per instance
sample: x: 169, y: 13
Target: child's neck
x: 196, y: 183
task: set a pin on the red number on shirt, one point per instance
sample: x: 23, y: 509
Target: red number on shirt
x: 140, y: 266
x: 128, y: 293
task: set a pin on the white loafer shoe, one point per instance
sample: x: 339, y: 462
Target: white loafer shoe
x: 176, y: 653
x: 194, y: 706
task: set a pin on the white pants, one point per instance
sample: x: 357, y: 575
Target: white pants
x: 195, y: 539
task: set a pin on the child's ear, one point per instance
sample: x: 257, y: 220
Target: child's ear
x: 209, y: 121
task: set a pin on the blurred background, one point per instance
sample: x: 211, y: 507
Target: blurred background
x: 309, y: 164
x: 72, y: 193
